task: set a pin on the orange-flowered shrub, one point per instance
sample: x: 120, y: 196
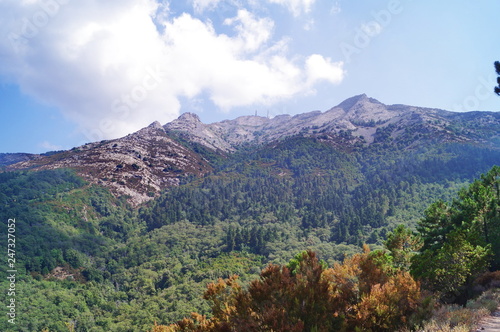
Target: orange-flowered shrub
x: 363, y: 293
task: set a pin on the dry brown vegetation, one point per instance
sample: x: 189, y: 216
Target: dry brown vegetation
x: 363, y: 293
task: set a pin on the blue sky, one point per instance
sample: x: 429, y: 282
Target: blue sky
x: 78, y: 71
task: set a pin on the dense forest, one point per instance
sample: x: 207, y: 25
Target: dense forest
x: 87, y: 261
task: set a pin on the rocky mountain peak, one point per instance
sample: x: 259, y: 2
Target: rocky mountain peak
x: 364, y: 119
x: 137, y: 166
x: 360, y: 101
x: 189, y: 117
x: 349, y: 103
x: 156, y: 125
x: 360, y: 104
x: 185, y: 122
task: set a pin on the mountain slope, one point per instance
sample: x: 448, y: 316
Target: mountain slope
x: 7, y: 159
x: 138, y: 165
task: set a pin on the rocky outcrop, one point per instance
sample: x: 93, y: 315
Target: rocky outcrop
x: 137, y: 166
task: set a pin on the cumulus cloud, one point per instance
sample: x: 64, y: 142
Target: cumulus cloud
x: 116, y: 66
x: 84, y: 57
x: 297, y: 7
x: 252, y: 32
x: 320, y: 68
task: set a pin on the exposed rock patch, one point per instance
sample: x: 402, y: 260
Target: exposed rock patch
x: 139, y: 165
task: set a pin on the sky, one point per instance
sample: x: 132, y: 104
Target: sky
x: 73, y: 72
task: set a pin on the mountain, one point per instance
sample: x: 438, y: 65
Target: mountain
x: 142, y: 164
x: 7, y: 159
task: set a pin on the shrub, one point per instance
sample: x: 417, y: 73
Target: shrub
x: 365, y: 293
x: 455, y: 318
x: 489, y: 280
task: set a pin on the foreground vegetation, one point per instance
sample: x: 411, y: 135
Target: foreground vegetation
x: 364, y: 293
x: 457, y: 318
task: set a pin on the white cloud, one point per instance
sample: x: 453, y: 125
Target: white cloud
x: 116, y: 66
x: 252, y: 32
x: 297, y: 7
x: 219, y: 64
x: 320, y: 68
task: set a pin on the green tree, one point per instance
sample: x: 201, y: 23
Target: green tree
x: 449, y: 270
x: 478, y: 210
x: 461, y: 239
x: 403, y: 244
x: 435, y: 225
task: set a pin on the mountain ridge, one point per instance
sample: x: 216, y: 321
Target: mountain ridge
x: 360, y: 115
x: 142, y: 164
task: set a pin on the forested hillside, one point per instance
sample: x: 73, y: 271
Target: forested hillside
x: 393, y: 289
x: 91, y: 261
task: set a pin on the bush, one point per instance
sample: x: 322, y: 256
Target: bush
x: 488, y: 280
x: 455, y: 318
x: 488, y: 300
x: 365, y: 293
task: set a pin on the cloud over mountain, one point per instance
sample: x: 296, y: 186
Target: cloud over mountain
x: 116, y: 66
